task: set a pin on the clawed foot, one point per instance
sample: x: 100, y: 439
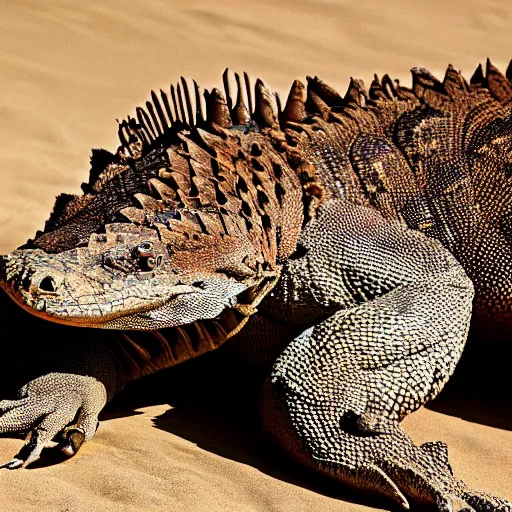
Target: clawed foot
x: 374, y: 456
x: 431, y: 481
x: 393, y: 466
x: 57, y: 410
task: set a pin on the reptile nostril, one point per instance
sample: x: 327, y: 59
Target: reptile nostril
x: 47, y: 284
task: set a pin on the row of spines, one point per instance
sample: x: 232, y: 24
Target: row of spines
x: 186, y: 105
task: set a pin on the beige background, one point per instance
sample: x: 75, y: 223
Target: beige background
x: 68, y: 69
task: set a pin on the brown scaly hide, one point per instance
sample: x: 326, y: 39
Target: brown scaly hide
x: 199, y: 188
x: 435, y: 156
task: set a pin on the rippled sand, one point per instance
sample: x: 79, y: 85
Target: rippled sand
x: 68, y: 69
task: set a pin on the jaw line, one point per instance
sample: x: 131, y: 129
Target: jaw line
x: 98, y: 321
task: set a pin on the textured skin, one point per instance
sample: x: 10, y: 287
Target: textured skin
x: 337, y: 243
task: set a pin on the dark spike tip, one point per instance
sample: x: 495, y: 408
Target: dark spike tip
x: 328, y: 94
x: 227, y: 88
x: 453, y: 81
x: 498, y: 84
x: 200, y: 117
x: 508, y: 73
x: 188, y: 101
x: 423, y: 77
x: 492, y: 72
x: 240, y: 112
x: 218, y: 109
x: 265, y: 113
x: 248, y: 90
x: 478, y: 77
x: 389, y: 87
x: 356, y: 93
x: 295, y: 108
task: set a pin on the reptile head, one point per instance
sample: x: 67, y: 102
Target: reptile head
x: 129, y: 278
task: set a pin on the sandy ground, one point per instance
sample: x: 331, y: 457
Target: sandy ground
x: 68, y: 69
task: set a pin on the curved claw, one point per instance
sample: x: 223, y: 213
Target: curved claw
x: 52, y: 404
x: 72, y: 440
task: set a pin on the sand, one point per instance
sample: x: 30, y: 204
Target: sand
x: 68, y: 69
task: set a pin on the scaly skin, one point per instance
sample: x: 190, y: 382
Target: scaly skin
x: 337, y: 243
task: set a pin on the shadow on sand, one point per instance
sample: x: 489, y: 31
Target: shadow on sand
x: 217, y: 409
x: 222, y: 419
x: 480, y: 390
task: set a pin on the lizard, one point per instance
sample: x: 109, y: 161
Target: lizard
x: 341, y: 244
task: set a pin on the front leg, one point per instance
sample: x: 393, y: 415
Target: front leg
x: 57, y: 405
x: 63, y: 376
x: 64, y: 380
x: 336, y: 394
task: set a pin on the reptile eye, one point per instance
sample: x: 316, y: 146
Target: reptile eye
x: 147, y: 264
x: 145, y: 256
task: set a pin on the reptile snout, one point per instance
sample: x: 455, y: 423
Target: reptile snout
x: 23, y: 276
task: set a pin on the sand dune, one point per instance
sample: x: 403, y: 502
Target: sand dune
x: 68, y: 69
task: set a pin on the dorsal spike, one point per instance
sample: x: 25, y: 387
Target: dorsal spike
x: 240, y: 113
x: 478, y: 77
x: 145, y: 122
x: 389, y: 88
x: 424, y: 79
x: 175, y: 104
x: 357, y: 93
x: 227, y: 88
x: 248, y: 90
x: 188, y: 102
x: 135, y: 130
x: 180, y: 101
x: 265, y: 114
x: 328, y: 94
x: 498, y: 84
x: 317, y: 104
x: 159, y: 111
x: 295, y: 108
x: 152, y: 113
x: 376, y: 90
x: 508, y: 73
x: 200, y: 117
x: 401, y: 92
x: 100, y: 159
x: 427, y: 88
x: 217, y: 109
x: 165, y: 101
x: 453, y: 82
x: 123, y: 134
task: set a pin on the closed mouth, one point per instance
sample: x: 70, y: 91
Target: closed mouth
x: 91, y: 314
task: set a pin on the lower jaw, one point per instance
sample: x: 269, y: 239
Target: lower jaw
x: 101, y: 322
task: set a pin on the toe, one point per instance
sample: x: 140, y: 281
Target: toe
x: 50, y: 405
